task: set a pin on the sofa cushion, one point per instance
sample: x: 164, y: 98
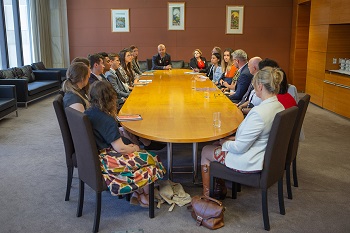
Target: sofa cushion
x: 24, y: 72
x: 7, y: 103
x: 38, y: 66
x: 7, y: 74
x: 38, y: 86
x: 28, y: 72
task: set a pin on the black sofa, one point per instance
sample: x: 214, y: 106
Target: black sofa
x: 31, y: 84
x: 40, y: 66
x: 8, y: 100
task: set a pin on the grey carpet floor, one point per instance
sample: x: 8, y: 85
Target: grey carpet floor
x: 33, y: 180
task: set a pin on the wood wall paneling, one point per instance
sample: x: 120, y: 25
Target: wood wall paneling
x: 314, y: 87
x: 299, y: 44
x: 303, y: 1
x: 339, y: 38
x: 316, y: 64
x: 320, y: 10
x: 339, y: 12
x: 315, y: 75
x: 318, y: 37
x: 303, y: 18
x: 302, y: 37
x: 337, y: 99
x: 299, y: 79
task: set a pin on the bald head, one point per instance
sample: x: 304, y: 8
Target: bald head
x: 161, y: 50
x: 253, y: 65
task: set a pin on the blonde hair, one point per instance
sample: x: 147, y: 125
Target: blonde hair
x: 198, y: 50
x: 76, y: 73
x: 270, y: 77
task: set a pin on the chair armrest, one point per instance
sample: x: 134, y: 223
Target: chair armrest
x: 7, y: 91
x: 47, y: 75
x: 63, y: 71
x: 21, y: 87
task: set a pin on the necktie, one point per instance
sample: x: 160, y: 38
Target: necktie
x: 235, y: 78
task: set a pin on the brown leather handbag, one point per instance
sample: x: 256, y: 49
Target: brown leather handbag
x: 208, y: 212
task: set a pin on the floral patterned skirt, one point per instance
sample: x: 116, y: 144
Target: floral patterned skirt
x: 125, y: 173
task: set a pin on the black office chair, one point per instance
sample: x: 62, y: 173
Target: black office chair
x: 149, y: 64
x: 273, y: 168
x: 177, y: 64
x: 71, y: 160
x: 294, y: 144
x: 89, y: 169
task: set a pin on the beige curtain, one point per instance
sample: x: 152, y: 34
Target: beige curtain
x: 41, y: 31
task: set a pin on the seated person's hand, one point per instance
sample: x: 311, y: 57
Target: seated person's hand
x: 196, y: 70
x: 136, y: 147
x: 168, y: 67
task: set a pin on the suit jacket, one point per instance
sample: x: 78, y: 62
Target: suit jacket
x: 136, y: 67
x: 113, y: 78
x: 158, y: 63
x: 92, y: 78
x: 243, y: 82
x: 247, y: 152
x: 194, y: 64
x: 246, y: 95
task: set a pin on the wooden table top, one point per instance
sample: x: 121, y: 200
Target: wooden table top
x: 173, y: 112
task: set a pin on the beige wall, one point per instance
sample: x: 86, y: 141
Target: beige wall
x: 266, y: 33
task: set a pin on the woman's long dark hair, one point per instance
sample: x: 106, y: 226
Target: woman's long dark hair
x: 127, y: 67
x: 104, y: 97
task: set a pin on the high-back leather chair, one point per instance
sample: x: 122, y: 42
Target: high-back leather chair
x: 294, y: 144
x: 71, y: 160
x: 273, y: 168
x: 177, y: 64
x: 149, y: 64
x: 89, y: 169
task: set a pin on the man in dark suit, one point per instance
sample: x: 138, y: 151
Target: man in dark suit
x: 96, y: 66
x: 162, y: 60
x: 240, y: 60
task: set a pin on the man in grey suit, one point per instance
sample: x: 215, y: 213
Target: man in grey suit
x: 113, y: 77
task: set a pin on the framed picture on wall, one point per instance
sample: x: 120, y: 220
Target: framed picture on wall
x: 234, y: 19
x: 176, y: 16
x: 120, y: 20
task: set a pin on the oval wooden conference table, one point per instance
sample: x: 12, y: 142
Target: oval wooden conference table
x: 173, y: 112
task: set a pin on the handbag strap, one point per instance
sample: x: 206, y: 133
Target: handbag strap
x: 212, y: 199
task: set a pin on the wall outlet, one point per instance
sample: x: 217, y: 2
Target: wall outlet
x: 334, y: 61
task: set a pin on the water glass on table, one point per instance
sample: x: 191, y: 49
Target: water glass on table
x: 193, y: 84
x: 217, y: 119
x: 206, y: 92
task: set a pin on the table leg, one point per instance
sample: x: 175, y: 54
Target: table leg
x: 195, y: 161
x: 170, y: 160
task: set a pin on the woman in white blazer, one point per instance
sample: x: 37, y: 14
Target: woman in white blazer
x: 246, y: 152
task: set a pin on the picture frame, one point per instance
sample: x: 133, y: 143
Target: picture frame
x: 120, y: 20
x: 234, y: 19
x: 176, y: 16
